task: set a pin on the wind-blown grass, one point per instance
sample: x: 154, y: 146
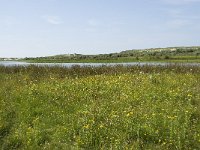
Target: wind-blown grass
x: 116, y: 107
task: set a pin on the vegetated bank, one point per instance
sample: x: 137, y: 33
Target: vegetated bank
x: 171, y: 54
x: 107, y: 107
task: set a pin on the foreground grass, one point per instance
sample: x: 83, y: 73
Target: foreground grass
x: 138, y: 107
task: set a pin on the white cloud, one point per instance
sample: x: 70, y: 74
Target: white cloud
x: 175, y: 13
x: 90, y: 30
x: 181, y: 14
x: 180, y: 2
x: 55, y: 20
x: 178, y: 23
x: 180, y: 18
x: 93, y: 22
x: 9, y: 21
x: 93, y: 25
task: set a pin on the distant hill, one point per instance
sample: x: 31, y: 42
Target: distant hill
x: 156, y: 54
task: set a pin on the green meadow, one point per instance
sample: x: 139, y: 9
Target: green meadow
x: 119, y: 107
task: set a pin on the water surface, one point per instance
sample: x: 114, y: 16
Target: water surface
x: 18, y: 63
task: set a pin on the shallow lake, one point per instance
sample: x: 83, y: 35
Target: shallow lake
x: 18, y: 63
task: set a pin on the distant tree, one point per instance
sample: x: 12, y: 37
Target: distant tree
x: 197, y: 54
x: 166, y: 57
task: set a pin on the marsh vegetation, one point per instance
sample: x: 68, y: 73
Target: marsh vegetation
x: 106, y: 107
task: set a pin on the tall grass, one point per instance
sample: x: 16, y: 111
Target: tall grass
x: 107, y: 107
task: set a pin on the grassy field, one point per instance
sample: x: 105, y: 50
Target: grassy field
x: 133, y: 107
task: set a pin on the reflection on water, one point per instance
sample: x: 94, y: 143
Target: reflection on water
x: 17, y: 63
x: 12, y: 63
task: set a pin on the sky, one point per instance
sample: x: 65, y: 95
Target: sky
x: 32, y: 28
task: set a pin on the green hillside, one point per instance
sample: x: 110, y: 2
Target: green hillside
x: 172, y: 54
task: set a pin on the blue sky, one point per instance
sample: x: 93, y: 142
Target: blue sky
x: 49, y: 27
